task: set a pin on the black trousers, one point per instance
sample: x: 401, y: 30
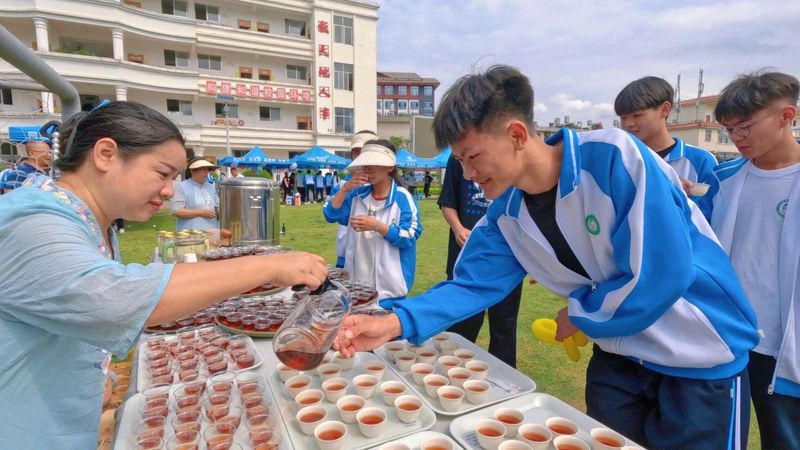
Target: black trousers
x: 778, y: 415
x: 502, y: 327
x: 666, y: 412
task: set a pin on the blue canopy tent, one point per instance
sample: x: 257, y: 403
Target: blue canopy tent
x: 254, y: 158
x: 276, y: 163
x: 317, y: 158
x: 406, y: 160
x: 25, y: 134
x: 442, y: 157
x: 227, y: 161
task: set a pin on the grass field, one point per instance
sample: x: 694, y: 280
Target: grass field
x: 307, y: 230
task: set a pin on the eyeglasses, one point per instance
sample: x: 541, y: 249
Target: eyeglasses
x: 743, y: 131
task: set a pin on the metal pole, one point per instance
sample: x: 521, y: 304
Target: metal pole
x: 20, y: 56
x: 227, y: 132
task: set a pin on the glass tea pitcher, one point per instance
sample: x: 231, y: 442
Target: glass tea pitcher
x: 307, y: 334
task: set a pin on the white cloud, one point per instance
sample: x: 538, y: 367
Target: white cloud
x: 539, y: 107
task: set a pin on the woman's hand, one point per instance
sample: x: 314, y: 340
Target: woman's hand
x: 208, y: 213
x: 361, y: 333
x: 357, y: 180
x: 290, y: 269
x: 364, y: 223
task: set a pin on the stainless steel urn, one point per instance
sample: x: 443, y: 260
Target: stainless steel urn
x: 250, y: 211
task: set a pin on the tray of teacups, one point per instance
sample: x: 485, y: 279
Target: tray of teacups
x: 453, y: 375
x: 255, y: 316
x: 228, y: 411
x: 347, y: 403
x: 193, y: 354
x: 538, y: 420
x: 423, y: 440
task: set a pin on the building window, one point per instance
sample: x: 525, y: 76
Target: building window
x: 427, y: 90
x: 343, y: 76
x: 176, y: 59
x: 182, y: 106
x: 5, y: 97
x: 402, y: 107
x: 264, y: 74
x: 415, y: 91
x: 708, y: 135
x: 402, y: 90
x: 209, y: 62
x: 414, y: 106
x: 378, y: 91
x: 388, y: 90
x: 175, y: 7
x: 219, y: 111
x: 295, y: 72
x: 388, y: 107
x: 427, y: 106
x: 267, y: 113
x: 246, y: 72
x: 722, y: 138
x: 239, y: 152
x: 344, y: 120
x: 303, y: 122
x: 379, y: 106
x: 7, y: 148
x: 295, y: 27
x: 343, y: 30
x: 205, y: 12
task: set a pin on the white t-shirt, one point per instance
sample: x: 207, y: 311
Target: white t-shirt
x: 754, y: 250
x: 364, y: 241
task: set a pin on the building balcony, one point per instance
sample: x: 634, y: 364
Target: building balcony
x: 106, y: 13
x: 227, y: 38
x: 112, y: 72
x: 276, y: 142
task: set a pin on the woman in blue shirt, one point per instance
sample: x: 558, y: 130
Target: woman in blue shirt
x: 118, y: 161
x: 195, y: 201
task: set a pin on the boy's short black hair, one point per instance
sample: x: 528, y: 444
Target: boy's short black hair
x: 479, y: 100
x: 644, y: 93
x: 750, y: 93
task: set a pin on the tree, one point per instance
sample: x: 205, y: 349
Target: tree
x: 399, y: 142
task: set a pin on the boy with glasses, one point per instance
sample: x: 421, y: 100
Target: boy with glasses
x: 643, y: 107
x: 756, y: 215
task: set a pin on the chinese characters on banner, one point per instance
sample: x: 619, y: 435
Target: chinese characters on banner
x: 255, y: 91
x: 322, y: 27
x: 324, y: 72
x: 324, y: 50
x: 324, y: 91
x: 325, y: 113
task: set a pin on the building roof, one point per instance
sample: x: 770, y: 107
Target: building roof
x: 692, y: 124
x: 703, y: 100
x: 405, y: 77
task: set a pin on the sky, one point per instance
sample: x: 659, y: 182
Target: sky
x: 580, y: 54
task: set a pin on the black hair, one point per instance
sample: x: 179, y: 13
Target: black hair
x: 644, y: 93
x: 134, y: 127
x: 750, y: 93
x: 479, y: 101
x: 395, y: 174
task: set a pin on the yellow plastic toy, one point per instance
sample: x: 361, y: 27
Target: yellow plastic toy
x: 545, y: 331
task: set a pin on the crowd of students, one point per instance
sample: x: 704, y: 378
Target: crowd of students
x: 690, y: 297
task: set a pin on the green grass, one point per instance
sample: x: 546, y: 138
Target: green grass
x: 307, y: 230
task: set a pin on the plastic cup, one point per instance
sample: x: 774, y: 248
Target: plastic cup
x: 371, y: 421
x: 309, y: 397
x: 365, y: 385
x: 448, y: 362
x: 335, y: 388
x: 298, y: 384
x: 464, y: 355
x: 490, y: 433
x: 391, y: 348
x: 408, y: 408
x: 427, y: 355
x: 391, y: 390
x: 478, y: 369
x: 436, y: 442
x: 345, y: 363
x: 328, y: 371
x: 458, y: 375
x: 349, y: 406
x: 561, y: 426
x: 606, y: 439
x: 420, y: 370
x: 433, y: 382
x: 511, y: 418
x: 309, y: 417
x: 285, y: 372
x: 450, y: 397
x: 375, y: 368
x: 538, y: 437
x: 330, y: 435
x: 404, y: 359
x: 569, y: 443
x: 477, y: 391
x: 513, y: 445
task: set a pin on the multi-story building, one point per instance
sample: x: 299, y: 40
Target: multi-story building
x: 405, y: 94
x: 281, y: 74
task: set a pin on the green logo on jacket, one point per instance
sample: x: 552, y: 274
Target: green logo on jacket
x: 592, y: 224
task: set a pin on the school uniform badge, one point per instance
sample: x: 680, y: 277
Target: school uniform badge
x: 592, y: 224
x: 780, y: 208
